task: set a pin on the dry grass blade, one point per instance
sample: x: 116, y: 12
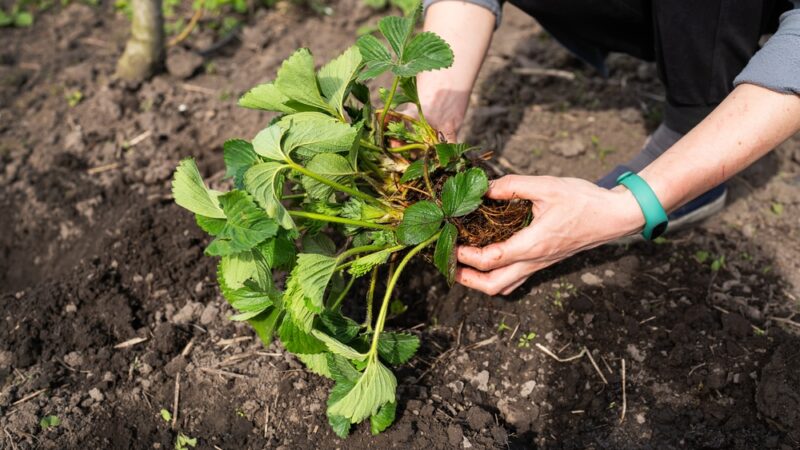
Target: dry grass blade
x: 584, y: 352
x: 130, y: 342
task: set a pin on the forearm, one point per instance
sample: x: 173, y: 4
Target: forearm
x: 468, y: 29
x: 748, y: 124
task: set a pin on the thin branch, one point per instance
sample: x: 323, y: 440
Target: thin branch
x: 189, y: 27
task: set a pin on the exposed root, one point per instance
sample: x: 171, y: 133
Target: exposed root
x: 494, y: 221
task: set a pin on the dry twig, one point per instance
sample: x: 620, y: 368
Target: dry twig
x: 584, y: 352
x: 175, y: 400
x: 624, y: 395
x: 130, y: 342
x: 28, y: 397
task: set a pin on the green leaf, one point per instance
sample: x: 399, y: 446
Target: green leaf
x: 444, y: 257
x: 49, y: 422
x: 319, y: 244
x: 342, y: 370
x: 210, y: 225
x: 313, y: 132
x: 247, y: 225
x: 449, y: 152
x: 23, y: 19
x: 266, y: 97
x: 295, y: 302
x: 420, y: 221
x: 317, y: 363
x: 298, y: 341
x: 236, y: 269
x: 166, y: 415
x: 239, y: 156
x: 313, y: 272
x: 397, y: 348
x: 335, y: 77
x: 297, y: 81
x: 340, y: 327
x: 339, y: 348
x: 426, y: 51
x: 265, y: 182
x: 396, y: 30
x: 383, y: 418
x: 364, y: 264
x: 279, y: 252
x: 265, y: 324
x: 340, y: 425
x: 267, y: 143
x: 191, y: 193
x: 248, y: 297
x: 414, y: 171
x: 183, y: 441
x: 463, y: 192
x: 409, y: 87
x: 375, y: 55
x: 330, y: 166
x: 374, y: 388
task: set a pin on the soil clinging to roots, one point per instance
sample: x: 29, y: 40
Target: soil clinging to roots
x: 494, y: 221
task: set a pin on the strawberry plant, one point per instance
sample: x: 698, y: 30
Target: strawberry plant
x: 320, y: 199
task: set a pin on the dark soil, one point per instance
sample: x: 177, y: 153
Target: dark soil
x: 93, y: 254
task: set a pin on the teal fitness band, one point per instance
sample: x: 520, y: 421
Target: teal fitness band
x: 655, y: 217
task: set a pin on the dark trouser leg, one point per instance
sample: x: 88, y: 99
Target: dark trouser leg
x: 699, y: 46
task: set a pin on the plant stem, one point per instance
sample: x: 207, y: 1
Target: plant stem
x: 408, y: 147
x: 369, y: 145
x: 364, y: 249
x: 343, y: 293
x: 293, y: 196
x: 370, y: 295
x: 425, y: 124
x: 356, y: 250
x: 390, y: 287
x: 339, y: 187
x: 342, y: 220
x: 427, y: 177
x: 386, y: 107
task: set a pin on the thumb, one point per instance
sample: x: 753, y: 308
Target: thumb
x: 520, y: 186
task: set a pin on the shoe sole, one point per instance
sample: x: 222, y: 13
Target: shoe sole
x: 693, y: 218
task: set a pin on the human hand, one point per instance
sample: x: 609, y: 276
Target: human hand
x: 570, y: 215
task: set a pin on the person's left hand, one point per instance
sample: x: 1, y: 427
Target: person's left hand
x: 569, y: 215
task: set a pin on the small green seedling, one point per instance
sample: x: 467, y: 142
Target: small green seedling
x: 49, y: 422
x: 183, y: 442
x: 73, y: 98
x: 602, y: 151
x: 15, y: 18
x: 502, y: 326
x: 166, y: 415
x: 525, y: 340
x: 777, y: 208
x: 718, y: 263
x: 701, y: 256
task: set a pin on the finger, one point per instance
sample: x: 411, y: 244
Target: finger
x: 513, y: 287
x: 449, y: 135
x: 516, y: 248
x: 520, y: 186
x: 494, y: 282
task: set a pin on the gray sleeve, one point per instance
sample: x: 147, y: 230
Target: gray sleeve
x: 495, y: 6
x: 777, y: 65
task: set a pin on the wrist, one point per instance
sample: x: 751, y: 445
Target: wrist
x: 630, y: 219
